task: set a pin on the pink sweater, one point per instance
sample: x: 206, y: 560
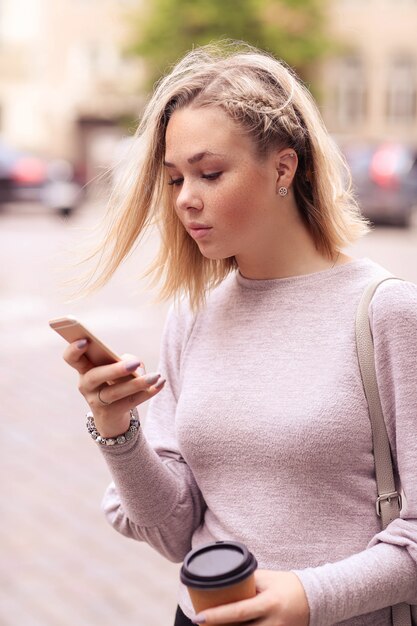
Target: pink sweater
x: 262, y: 435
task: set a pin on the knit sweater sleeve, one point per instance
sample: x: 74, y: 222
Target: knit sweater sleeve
x: 385, y: 573
x: 154, y: 496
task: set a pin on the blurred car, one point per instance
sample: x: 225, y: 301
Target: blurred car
x: 61, y: 193
x: 31, y: 179
x: 22, y: 176
x: 385, y: 181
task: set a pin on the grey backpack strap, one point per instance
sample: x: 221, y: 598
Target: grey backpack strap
x: 388, y: 503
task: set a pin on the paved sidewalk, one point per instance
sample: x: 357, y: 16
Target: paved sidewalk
x: 61, y: 563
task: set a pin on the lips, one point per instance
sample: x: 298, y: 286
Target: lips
x: 196, y: 226
x: 197, y: 231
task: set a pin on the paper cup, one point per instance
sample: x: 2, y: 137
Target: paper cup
x: 219, y: 573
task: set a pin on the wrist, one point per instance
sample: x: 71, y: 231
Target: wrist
x: 125, y: 434
x: 112, y: 426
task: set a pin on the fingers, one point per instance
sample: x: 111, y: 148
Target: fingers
x: 117, y: 391
x: 115, y: 382
x: 74, y: 355
x: 115, y: 373
x: 233, y: 613
x: 140, y: 397
x: 134, y: 391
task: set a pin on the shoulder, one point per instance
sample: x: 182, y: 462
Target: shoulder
x: 395, y: 299
x: 393, y: 309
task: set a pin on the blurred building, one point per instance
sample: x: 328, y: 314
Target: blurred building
x: 64, y: 82
x: 65, y: 85
x: 369, y: 90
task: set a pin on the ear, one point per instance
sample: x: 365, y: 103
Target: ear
x: 286, y: 163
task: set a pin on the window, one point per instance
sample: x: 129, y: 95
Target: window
x: 91, y: 61
x: 401, y: 91
x: 350, y: 92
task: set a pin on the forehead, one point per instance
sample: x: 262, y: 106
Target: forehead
x: 193, y: 130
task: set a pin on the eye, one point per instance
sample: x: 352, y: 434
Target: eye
x: 176, y: 181
x: 213, y: 176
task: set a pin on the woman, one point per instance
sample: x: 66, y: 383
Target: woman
x: 258, y: 429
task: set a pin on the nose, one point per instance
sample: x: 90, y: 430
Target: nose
x: 188, y: 198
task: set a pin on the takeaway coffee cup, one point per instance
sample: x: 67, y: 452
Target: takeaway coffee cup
x: 219, y: 573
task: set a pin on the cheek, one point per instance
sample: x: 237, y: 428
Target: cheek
x: 242, y: 205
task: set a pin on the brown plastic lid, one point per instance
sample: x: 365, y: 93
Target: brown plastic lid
x: 217, y: 564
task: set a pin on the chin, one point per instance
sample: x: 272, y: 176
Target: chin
x: 214, y: 256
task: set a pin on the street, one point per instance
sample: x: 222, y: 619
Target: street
x: 61, y: 563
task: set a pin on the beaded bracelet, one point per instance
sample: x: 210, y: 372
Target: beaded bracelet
x: 112, y: 441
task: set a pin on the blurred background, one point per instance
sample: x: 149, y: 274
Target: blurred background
x: 74, y: 77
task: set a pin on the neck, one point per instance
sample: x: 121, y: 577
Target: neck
x: 287, y: 249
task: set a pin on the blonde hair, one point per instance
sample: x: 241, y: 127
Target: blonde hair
x: 265, y: 97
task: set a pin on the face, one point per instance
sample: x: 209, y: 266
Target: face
x: 223, y: 192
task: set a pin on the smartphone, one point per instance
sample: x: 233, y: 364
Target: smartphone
x: 97, y: 352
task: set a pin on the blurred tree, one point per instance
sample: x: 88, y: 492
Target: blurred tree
x: 293, y: 30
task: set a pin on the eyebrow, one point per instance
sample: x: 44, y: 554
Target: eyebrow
x: 197, y: 157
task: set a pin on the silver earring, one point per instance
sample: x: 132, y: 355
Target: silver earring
x: 282, y: 191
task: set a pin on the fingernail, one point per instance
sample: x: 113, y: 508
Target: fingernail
x: 199, y: 619
x: 82, y: 343
x: 132, y: 366
x: 160, y: 382
x: 150, y: 379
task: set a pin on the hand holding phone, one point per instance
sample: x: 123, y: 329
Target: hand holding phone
x: 111, y: 392
x: 97, y: 352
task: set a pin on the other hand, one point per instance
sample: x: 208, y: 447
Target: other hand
x: 280, y: 601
